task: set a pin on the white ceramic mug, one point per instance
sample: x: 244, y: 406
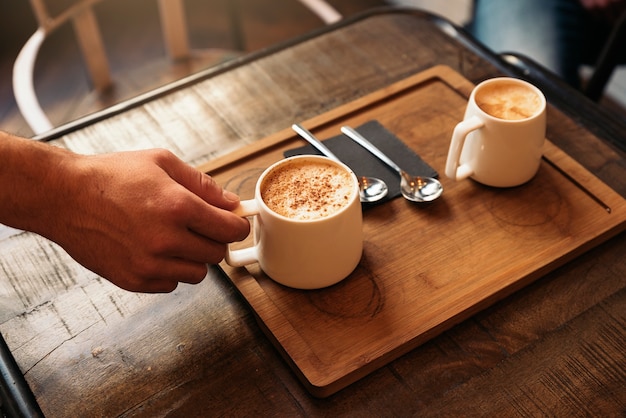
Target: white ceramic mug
x: 303, y: 253
x: 499, y: 142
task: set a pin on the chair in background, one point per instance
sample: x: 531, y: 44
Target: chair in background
x: 90, y: 41
x: 611, y: 55
x: 323, y: 10
x: 82, y: 17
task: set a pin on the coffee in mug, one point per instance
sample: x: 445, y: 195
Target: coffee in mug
x: 499, y: 142
x: 307, y: 223
x: 305, y: 190
x: 508, y: 100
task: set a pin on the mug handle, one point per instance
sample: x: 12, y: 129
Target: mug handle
x: 462, y: 129
x: 244, y: 256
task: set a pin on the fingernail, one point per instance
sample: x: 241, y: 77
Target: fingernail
x: 230, y: 196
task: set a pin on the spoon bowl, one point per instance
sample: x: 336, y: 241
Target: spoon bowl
x: 413, y: 188
x: 419, y: 189
x: 371, y: 189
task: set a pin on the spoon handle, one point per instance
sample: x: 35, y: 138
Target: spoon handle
x: 311, y: 139
x: 360, y: 139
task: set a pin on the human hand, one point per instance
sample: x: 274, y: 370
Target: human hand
x: 144, y: 220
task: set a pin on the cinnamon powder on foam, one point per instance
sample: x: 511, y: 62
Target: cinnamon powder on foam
x: 307, y: 190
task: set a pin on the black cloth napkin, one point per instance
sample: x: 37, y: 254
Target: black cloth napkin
x: 363, y: 163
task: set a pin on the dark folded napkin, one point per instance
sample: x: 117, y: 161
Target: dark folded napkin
x: 363, y: 163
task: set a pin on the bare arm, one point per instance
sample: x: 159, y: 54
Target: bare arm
x: 144, y: 220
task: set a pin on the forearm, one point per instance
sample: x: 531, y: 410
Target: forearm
x: 31, y: 178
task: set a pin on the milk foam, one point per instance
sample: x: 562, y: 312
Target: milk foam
x: 508, y: 101
x: 306, y: 190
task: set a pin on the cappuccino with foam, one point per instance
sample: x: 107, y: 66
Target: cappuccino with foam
x: 500, y: 140
x: 307, y: 223
x: 306, y: 190
x: 509, y: 101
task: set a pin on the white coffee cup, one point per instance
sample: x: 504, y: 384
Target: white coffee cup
x: 499, y: 142
x: 312, y: 244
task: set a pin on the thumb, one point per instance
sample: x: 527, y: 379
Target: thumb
x: 199, y: 183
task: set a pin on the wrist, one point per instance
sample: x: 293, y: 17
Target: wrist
x: 34, y: 180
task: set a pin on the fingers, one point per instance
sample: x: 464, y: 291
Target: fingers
x: 200, y: 184
x: 218, y: 225
x: 196, y: 231
x: 163, y: 276
x: 190, y: 246
x: 209, y: 217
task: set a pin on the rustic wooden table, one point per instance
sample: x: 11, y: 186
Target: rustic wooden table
x: 86, y: 348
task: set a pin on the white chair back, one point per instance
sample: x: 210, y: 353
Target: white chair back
x: 82, y: 17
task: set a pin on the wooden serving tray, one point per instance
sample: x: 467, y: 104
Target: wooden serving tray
x: 424, y: 268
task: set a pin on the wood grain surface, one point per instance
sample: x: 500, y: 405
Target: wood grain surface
x: 87, y: 348
x: 425, y: 267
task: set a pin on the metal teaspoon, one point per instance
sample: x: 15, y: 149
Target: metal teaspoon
x: 415, y: 189
x: 371, y: 189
